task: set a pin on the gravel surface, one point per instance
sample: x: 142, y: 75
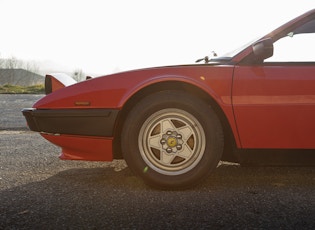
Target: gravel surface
x: 39, y: 191
x: 10, y: 110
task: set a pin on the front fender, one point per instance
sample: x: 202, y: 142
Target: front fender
x: 217, y: 84
x: 114, y: 91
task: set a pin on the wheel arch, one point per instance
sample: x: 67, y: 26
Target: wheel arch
x: 229, y: 141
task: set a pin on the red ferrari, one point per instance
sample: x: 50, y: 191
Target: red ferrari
x: 174, y: 124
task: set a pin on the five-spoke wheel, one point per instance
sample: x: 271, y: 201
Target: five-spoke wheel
x: 172, y: 139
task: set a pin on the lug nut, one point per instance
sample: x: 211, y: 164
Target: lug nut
x: 178, y: 147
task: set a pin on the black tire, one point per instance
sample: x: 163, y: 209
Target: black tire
x: 172, y: 140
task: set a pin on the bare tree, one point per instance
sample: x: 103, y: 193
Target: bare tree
x: 2, y: 63
x: 31, y: 66
x: 14, y: 63
x: 78, y: 75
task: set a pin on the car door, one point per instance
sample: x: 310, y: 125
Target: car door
x: 274, y: 102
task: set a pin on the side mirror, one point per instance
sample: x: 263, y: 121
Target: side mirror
x: 263, y: 49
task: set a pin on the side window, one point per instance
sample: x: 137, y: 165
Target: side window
x: 294, y: 48
x: 297, y: 46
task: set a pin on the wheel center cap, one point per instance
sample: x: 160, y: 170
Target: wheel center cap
x: 171, y: 142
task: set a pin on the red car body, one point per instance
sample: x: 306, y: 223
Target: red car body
x: 260, y: 104
x: 116, y: 90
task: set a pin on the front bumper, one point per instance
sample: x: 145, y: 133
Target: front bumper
x: 84, y: 122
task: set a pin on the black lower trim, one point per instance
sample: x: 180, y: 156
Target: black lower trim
x: 88, y: 122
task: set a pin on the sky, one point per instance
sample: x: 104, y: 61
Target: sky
x: 107, y: 36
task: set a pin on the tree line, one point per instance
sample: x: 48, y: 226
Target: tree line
x: 32, y: 66
x: 14, y: 63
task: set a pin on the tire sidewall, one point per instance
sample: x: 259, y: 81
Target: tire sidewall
x: 172, y: 99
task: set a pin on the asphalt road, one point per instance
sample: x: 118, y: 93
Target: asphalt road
x: 39, y: 191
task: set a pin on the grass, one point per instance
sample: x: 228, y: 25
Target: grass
x: 16, y: 89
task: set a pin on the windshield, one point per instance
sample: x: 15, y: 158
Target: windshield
x: 228, y: 56
x: 236, y: 51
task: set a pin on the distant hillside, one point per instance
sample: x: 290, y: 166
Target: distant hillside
x: 20, y: 77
